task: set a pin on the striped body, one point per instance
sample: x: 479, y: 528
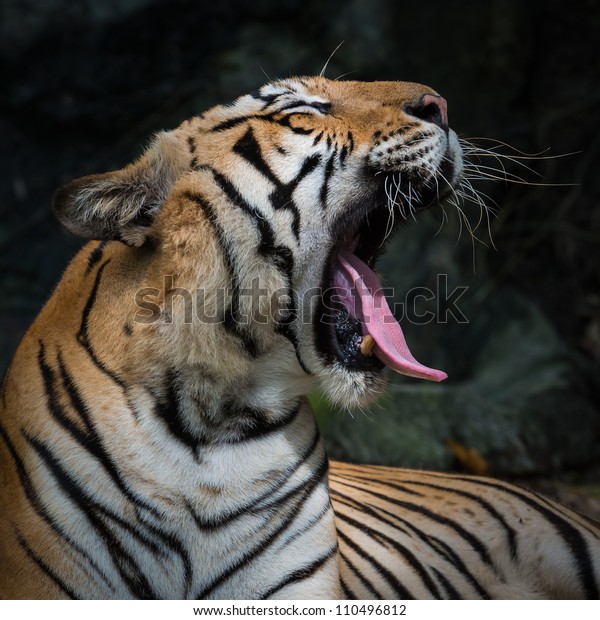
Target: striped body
x: 108, y: 495
x: 411, y: 534
x: 155, y: 438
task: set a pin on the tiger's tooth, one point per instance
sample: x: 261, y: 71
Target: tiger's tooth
x: 366, y: 346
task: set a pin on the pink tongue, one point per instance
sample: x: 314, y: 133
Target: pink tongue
x: 353, y: 277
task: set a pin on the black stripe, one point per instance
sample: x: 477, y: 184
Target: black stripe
x: 269, y: 99
x: 374, y: 480
x: 364, y: 580
x: 52, y: 401
x: 285, y: 262
x: 169, y: 411
x: 300, y: 574
x: 45, y: 568
x: 348, y: 593
x: 510, y: 532
x: 249, y: 149
x: 82, y: 335
x: 95, y: 256
x: 267, y: 245
x: 350, y: 142
x: 239, y: 120
x: 231, y: 122
x: 405, y: 528
x: 325, y: 510
x: 589, y: 525
x: 326, y: 178
x: 89, y: 440
x: 280, y: 255
x: 231, y: 424
x: 97, y: 513
x: 446, y: 551
x: 400, y: 591
x: 343, y: 154
x: 303, y: 494
x: 92, y: 442
x: 472, y: 540
x: 282, y: 195
x: 232, y: 320
x: 260, y: 424
x: 287, y: 332
x: 451, y: 591
x: 234, y: 326
x: 129, y: 571
x: 410, y: 558
x: 22, y: 474
x: 285, y: 121
x: 281, y: 501
x: 434, y: 543
x: 570, y: 535
x: 253, y: 505
x: 476, y: 543
x: 322, y: 106
x: 39, y: 508
x: 179, y: 549
x: 283, y: 258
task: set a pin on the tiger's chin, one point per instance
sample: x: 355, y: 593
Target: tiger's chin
x: 351, y: 389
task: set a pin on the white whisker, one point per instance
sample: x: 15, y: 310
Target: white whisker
x: 339, y: 77
x: 522, y: 155
x: 322, y: 73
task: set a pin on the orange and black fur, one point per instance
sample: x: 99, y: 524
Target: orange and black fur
x: 155, y: 437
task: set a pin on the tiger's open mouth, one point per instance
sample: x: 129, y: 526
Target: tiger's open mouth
x: 358, y: 328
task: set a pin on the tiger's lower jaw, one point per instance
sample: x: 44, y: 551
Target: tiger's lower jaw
x: 352, y: 389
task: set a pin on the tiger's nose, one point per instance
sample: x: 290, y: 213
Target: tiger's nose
x: 432, y: 109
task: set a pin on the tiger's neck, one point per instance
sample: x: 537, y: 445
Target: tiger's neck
x: 223, y: 473
x: 202, y: 409
x: 245, y: 486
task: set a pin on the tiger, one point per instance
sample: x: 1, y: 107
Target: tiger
x: 156, y: 439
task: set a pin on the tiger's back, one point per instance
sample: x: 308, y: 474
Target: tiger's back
x: 416, y: 534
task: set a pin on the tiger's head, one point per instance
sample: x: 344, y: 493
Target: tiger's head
x: 271, y: 212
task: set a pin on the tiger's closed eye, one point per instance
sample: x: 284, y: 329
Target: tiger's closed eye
x: 307, y: 107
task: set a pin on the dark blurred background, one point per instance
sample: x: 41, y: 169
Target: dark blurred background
x: 85, y: 84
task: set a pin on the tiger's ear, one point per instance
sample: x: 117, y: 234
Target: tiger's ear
x: 122, y: 204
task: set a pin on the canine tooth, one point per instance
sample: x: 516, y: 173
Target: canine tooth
x: 366, y: 346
